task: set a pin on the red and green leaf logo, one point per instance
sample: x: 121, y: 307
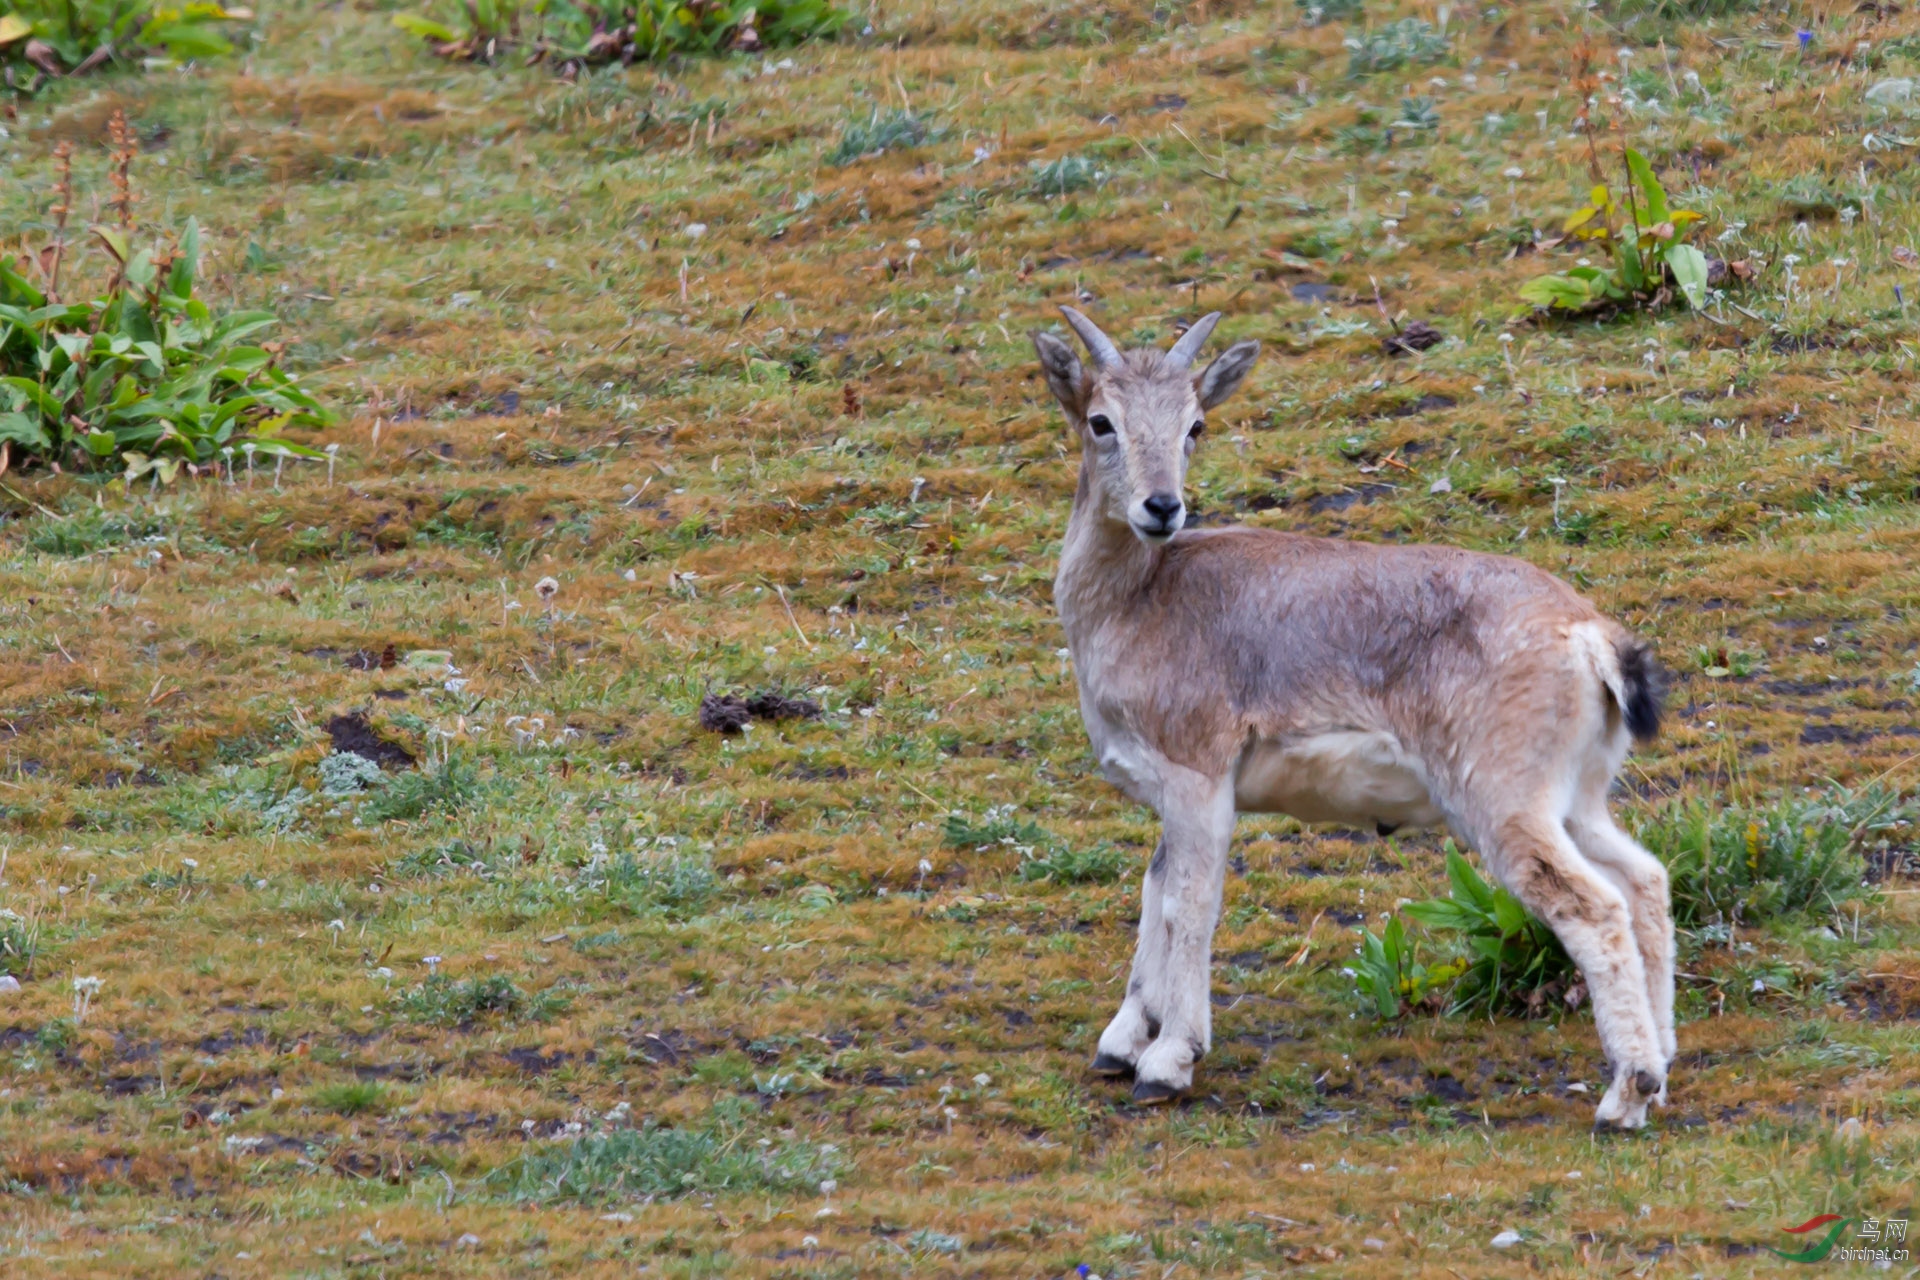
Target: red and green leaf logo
x: 1817, y: 1251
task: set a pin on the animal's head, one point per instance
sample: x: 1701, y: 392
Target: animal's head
x: 1140, y: 414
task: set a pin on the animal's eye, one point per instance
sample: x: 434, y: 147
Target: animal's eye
x: 1196, y: 430
x: 1100, y: 424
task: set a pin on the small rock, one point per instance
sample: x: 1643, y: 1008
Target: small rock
x: 1373, y: 1242
x: 1890, y: 91
x: 1576, y: 1087
x: 8, y: 982
x: 1506, y: 1240
x: 1850, y: 1130
x: 768, y: 705
x: 1418, y: 336
x: 1442, y: 485
x: 468, y: 1241
x: 724, y: 713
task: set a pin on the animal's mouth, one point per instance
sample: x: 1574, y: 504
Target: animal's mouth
x: 1155, y: 536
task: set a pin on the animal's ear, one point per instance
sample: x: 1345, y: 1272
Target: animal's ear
x: 1065, y: 377
x: 1223, y: 377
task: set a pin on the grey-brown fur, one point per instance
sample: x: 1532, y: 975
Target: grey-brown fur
x: 1238, y: 669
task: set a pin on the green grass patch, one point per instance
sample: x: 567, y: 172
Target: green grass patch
x: 878, y: 134
x: 652, y: 1161
x: 1734, y: 865
x: 441, y: 1001
x: 349, y: 1097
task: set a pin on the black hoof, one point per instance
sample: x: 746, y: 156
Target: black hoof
x: 1152, y: 1093
x: 1107, y: 1064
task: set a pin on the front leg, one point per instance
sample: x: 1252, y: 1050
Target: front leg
x: 1197, y: 814
x: 1138, y: 1022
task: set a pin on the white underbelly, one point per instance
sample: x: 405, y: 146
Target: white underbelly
x: 1351, y: 776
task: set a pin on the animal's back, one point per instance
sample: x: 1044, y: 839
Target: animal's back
x: 1290, y: 623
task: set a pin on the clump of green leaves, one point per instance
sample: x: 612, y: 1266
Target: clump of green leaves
x: 446, y: 1003
x: 575, y: 34
x: 1410, y: 42
x: 651, y: 1161
x: 1507, y: 961
x: 63, y: 37
x: 1318, y: 11
x: 1389, y: 977
x: 665, y: 882
x: 143, y: 374
x: 1647, y: 242
x: 344, y: 773
x: 1738, y: 865
x: 443, y: 786
x: 1513, y: 963
x: 1420, y: 113
x: 1042, y: 857
x: 1102, y: 863
x: 1680, y: 10
x: 1718, y: 661
x: 878, y: 134
x: 91, y: 528
x: 997, y: 825
x: 19, y: 943
x: 1065, y: 175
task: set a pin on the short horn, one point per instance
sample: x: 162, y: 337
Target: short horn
x: 1192, y: 340
x: 1099, y: 345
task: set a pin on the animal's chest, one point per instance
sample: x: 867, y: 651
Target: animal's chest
x: 1352, y: 776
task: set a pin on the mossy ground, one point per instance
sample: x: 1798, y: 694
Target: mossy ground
x: 803, y: 448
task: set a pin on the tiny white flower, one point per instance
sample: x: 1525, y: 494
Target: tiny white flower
x: 189, y: 863
x: 1515, y: 172
x: 983, y: 1079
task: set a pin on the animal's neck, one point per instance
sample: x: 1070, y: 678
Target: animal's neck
x: 1103, y: 565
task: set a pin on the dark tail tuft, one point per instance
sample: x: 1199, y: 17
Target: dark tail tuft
x: 1645, y: 683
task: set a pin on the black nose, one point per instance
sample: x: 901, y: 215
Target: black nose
x: 1164, y: 508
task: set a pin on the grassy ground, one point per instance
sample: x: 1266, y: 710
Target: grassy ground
x: 770, y: 422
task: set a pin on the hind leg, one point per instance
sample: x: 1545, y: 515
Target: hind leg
x: 1643, y: 882
x: 1535, y: 858
x: 1138, y: 1021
